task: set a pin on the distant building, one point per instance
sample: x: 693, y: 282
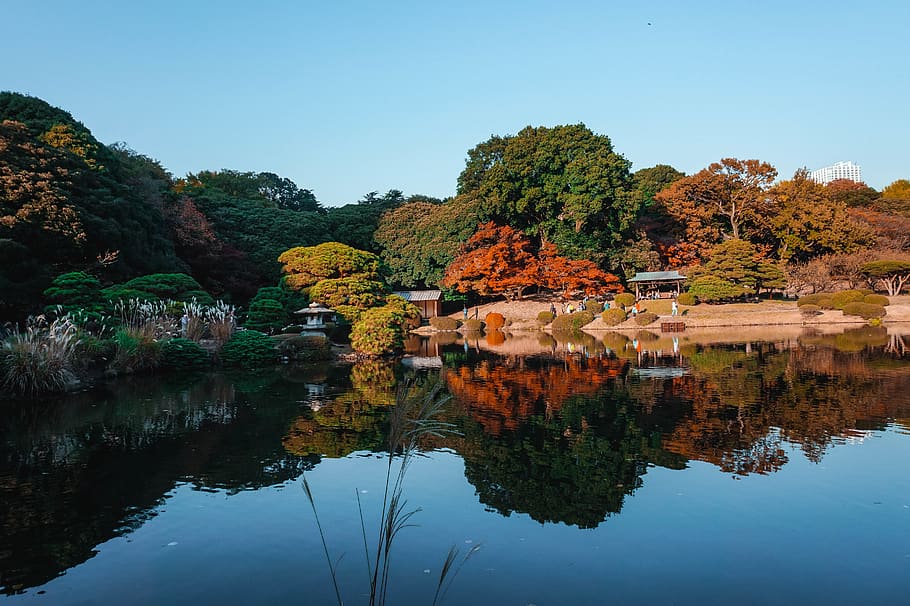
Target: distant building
x: 839, y: 170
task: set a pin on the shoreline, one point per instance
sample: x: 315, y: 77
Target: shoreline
x: 521, y: 316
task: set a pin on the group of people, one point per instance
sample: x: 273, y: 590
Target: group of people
x: 634, y: 310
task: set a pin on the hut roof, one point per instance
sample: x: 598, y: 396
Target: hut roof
x: 419, y: 295
x: 656, y: 276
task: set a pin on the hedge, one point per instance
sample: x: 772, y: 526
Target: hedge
x: 545, y: 317
x: 249, y: 348
x: 686, y: 298
x: 444, y: 323
x: 877, y: 300
x: 613, y: 316
x: 572, y: 321
x: 822, y: 299
x: 626, y: 299
x: 473, y: 325
x: 494, y: 320
x: 643, y: 319
x: 840, y: 299
x: 866, y: 311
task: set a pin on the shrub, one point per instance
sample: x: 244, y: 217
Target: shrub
x: 625, y: 299
x: 183, y: 353
x: 840, y: 299
x: 443, y: 323
x: 377, y: 332
x: 472, y: 325
x: 406, y: 314
x: 686, y: 298
x: 595, y: 307
x: 866, y: 291
x: 266, y: 315
x: 75, y: 290
x: 812, y: 299
x: 135, y: 351
x: 866, y: 311
x: 643, y: 319
x: 874, y: 299
x: 712, y: 288
x: 572, y: 321
x: 613, y: 316
x: 249, y: 348
x: 822, y: 300
x: 810, y: 310
x: 545, y: 317
x: 305, y: 348
x: 494, y: 321
x: 179, y: 287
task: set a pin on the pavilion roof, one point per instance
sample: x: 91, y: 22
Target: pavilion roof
x: 657, y: 276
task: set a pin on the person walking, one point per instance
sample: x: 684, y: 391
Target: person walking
x: 674, y: 308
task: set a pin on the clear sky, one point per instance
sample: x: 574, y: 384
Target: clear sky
x: 350, y: 97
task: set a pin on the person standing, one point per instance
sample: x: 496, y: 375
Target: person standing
x: 674, y: 308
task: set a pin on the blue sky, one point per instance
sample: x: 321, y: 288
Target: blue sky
x: 350, y: 97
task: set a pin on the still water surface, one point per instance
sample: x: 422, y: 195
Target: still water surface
x: 614, y: 470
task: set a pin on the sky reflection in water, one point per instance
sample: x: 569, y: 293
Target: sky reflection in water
x: 630, y: 470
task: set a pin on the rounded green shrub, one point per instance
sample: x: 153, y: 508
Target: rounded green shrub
x: 613, y: 316
x: 643, y: 319
x: 840, y: 299
x: 686, y: 298
x: 266, y: 315
x: 377, y: 332
x: 625, y: 299
x: 545, y: 317
x: 494, y: 321
x: 812, y: 299
x: 874, y: 299
x: 444, y: 323
x: 572, y: 321
x: 183, y: 353
x: 249, y: 348
x: 472, y: 325
x: 866, y: 311
x: 866, y: 291
x: 822, y: 299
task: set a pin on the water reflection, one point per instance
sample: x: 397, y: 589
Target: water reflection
x: 561, y: 428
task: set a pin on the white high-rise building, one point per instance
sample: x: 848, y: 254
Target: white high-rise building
x: 839, y: 170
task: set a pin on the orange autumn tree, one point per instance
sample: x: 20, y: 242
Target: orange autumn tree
x: 494, y: 261
x: 558, y: 273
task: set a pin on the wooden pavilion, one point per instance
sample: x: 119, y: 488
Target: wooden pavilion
x: 429, y: 302
x: 663, y: 284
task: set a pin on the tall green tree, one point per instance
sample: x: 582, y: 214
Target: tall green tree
x: 420, y: 239
x: 563, y: 184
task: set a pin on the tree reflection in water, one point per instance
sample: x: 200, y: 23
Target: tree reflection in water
x: 562, y: 433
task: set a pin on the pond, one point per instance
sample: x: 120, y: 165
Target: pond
x: 697, y: 468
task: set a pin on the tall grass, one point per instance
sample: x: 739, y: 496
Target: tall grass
x: 413, y: 417
x: 220, y: 318
x: 40, y: 358
x: 195, y: 320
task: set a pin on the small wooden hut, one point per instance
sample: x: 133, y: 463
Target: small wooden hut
x: 657, y: 284
x: 429, y: 302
